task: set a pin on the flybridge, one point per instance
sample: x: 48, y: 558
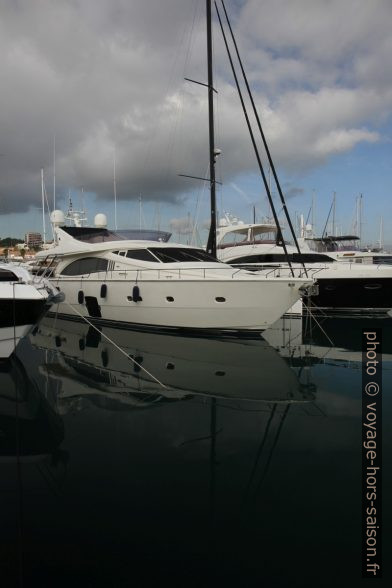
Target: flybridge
x: 101, y: 235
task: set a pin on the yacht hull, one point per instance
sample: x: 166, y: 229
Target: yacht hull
x: 240, y: 305
x: 362, y: 294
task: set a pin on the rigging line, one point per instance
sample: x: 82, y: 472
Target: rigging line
x: 170, y: 83
x: 19, y: 507
x: 115, y: 345
x: 49, y: 480
x: 307, y: 218
x: 271, y: 163
x: 212, y: 459
x: 267, y: 465
x: 260, y: 451
x: 178, y: 112
x: 326, y: 222
x: 199, y: 198
x: 308, y: 308
x: 254, y: 144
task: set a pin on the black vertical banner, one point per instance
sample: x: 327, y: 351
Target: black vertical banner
x: 372, y: 453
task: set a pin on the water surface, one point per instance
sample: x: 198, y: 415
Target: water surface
x: 186, y: 461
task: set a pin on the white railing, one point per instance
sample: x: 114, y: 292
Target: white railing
x: 186, y: 273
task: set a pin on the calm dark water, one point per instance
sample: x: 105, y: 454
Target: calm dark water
x: 190, y: 463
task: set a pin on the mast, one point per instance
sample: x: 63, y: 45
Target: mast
x: 313, y: 212
x: 114, y: 188
x: 54, y: 172
x: 211, y: 243
x: 43, y: 205
x: 334, y: 214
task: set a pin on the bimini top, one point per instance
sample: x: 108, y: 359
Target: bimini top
x: 100, y: 235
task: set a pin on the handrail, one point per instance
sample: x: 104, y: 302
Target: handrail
x: 205, y: 273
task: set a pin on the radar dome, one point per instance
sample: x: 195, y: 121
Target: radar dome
x: 100, y: 221
x: 57, y: 218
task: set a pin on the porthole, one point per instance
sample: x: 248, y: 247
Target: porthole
x: 170, y: 366
x: 220, y: 373
x: 170, y: 298
x: 220, y: 299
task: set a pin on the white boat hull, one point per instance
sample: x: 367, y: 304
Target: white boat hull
x: 250, y: 305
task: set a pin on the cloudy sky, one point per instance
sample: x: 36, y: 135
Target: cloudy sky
x: 107, y: 76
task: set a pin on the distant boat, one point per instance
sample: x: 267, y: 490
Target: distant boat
x: 342, y: 287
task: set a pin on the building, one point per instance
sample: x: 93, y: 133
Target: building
x: 33, y: 239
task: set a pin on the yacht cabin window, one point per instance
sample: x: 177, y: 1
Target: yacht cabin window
x: 281, y: 258
x: 142, y: 254
x: 174, y: 254
x: 168, y: 255
x: 7, y: 276
x: 85, y: 265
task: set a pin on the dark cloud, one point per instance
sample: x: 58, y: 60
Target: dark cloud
x: 102, y: 74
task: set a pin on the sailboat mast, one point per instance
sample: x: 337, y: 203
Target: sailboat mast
x: 114, y: 188
x: 43, y: 206
x: 334, y: 214
x: 211, y: 243
x: 54, y: 172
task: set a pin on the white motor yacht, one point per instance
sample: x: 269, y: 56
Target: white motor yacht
x: 143, y: 280
x: 24, y: 299
x: 342, y: 287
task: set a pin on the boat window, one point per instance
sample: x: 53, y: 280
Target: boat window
x: 281, y: 258
x: 8, y: 276
x: 235, y: 237
x: 142, y: 254
x: 173, y: 254
x: 86, y: 265
x: 387, y: 259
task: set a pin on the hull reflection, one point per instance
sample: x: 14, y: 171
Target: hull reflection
x: 30, y: 428
x: 309, y: 340
x: 150, y: 368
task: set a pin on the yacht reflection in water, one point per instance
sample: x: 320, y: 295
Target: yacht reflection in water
x: 310, y: 340
x: 30, y: 430
x: 124, y: 368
